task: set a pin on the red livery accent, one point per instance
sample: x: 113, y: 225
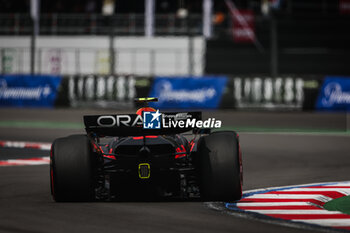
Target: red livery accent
x: 151, y: 136
x: 109, y: 156
x: 141, y: 137
x: 145, y: 109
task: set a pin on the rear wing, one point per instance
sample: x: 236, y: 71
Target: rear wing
x: 133, y: 124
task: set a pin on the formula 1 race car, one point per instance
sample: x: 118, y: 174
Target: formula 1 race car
x: 146, y: 155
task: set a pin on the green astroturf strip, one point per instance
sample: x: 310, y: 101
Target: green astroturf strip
x: 340, y: 204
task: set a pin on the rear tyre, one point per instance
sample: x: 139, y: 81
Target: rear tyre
x: 220, y: 167
x: 72, y: 169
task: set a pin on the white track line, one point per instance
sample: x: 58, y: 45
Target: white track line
x: 32, y: 145
x: 22, y: 162
x: 27, y: 145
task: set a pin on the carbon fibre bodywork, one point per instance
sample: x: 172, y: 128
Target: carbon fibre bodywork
x: 165, y: 160
x: 148, y: 156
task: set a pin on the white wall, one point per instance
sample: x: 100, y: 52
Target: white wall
x: 90, y: 54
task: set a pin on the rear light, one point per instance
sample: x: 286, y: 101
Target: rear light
x: 141, y: 137
x: 192, y: 145
x: 109, y: 157
x: 181, y: 152
x: 180, y: 156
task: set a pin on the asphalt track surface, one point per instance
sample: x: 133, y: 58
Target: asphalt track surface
x: 270, y: 159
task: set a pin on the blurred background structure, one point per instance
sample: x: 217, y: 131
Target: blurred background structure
x: 273, y: 54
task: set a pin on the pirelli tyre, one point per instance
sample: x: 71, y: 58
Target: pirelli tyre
x: 72, y: 169
x: 220, y: 167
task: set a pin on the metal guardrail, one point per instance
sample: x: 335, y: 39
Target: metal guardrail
x: 96, y: 24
